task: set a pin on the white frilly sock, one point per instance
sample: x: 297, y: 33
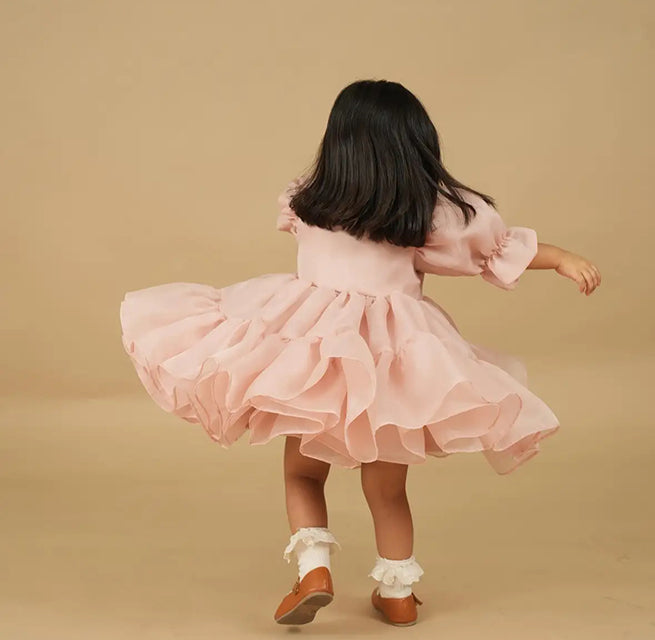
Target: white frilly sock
x: 313, y: 547
x: 395, y: 577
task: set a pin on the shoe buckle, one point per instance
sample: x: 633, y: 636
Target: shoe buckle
x: 296, y: 586
x: 416, y: 599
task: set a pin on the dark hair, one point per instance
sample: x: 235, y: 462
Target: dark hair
x: 378, y: 170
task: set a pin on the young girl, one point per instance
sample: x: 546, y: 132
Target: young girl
x: 346, y: 358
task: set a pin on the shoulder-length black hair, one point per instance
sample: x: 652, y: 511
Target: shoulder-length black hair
x: 378, y: 170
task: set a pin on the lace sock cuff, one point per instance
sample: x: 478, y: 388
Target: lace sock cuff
x: 403, y: 572
x: 310, y: 536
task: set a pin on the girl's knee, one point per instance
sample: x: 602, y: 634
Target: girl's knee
x: 302, y: 468
x: 317, y: 476
x: 385, y: 494
x: 384, y: 482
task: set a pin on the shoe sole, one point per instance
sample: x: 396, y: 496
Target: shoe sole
x: 395, y: 624
x: 306, y: 609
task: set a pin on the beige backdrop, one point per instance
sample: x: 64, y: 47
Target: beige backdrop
x: 146, y: 142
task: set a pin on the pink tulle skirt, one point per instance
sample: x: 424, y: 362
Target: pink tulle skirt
x: 357, y: 378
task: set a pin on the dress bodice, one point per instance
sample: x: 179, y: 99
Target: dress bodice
x: 338, y: 260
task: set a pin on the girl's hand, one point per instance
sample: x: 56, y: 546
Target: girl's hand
x: 579, y: 269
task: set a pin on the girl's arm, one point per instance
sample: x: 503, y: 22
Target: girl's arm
x: 567, y: 264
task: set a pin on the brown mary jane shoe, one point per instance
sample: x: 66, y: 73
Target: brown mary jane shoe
x: 308, y: 595
x: 398, y: 611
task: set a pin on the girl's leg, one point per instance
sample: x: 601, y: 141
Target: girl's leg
x: 304, y: 480
x: 311, y: 540
x: 395, y: 567
x: 384, y: 488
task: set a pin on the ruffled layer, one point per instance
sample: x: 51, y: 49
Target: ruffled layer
x: 357, y: 378
x: 309, y: 536
x: 389, y: 572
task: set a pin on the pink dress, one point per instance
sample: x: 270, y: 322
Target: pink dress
x: 346, y: 353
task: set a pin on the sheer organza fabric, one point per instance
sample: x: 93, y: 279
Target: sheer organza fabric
x: 346, y: 353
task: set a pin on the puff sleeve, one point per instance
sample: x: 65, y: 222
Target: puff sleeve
x: 487, y: 246
x: 287, y: 219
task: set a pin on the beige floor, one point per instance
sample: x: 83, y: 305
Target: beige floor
x: 120, y: 521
